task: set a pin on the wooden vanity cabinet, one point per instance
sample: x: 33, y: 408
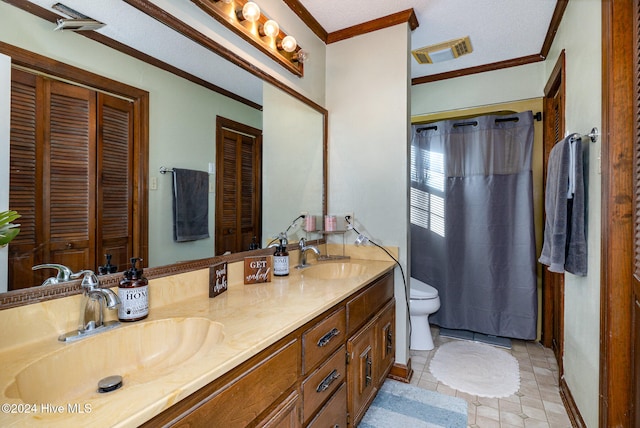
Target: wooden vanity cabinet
x: 324, y: 374
x: 371, y: 349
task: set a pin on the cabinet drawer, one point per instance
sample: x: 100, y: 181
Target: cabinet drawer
x: 323, y: 382
x: 322, y: 339
x: 239, y: 402
x: 364, y: 305
x: 334, y: 413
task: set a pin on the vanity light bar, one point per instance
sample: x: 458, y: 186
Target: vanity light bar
x: 254, y: 27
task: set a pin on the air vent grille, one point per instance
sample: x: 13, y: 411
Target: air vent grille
x: 443, y: 51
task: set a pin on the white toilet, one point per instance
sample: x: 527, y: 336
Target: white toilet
x: 423, y: 301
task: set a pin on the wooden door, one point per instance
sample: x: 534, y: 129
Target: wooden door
x: 71, y: 177
x: 635, y: 260
x: 553, y: 283
x: 115, y: 191
x: 238, y: 186
x: 361, y: 384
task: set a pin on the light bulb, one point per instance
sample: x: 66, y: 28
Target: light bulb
x: 271, y: 28
x: 301, y: 56
x: 289, y: 44
x: 251, y: 11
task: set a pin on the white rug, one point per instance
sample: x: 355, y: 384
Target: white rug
x: 476, y: 368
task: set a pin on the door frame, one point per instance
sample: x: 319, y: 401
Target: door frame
x: 619, y: 114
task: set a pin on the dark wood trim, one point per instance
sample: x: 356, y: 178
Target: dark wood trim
x: 618, y: 131
x: 307, y: 18
x: 556, y: 19
x: 553, y: 283
x: 479, y: 69
x: 407, y: 16
x: 120, y: 47
x: 572, y: 408
x: 401, y: 373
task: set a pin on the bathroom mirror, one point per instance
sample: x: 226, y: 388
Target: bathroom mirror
x: 294, y: 177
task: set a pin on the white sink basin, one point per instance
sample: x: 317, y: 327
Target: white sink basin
x: 139, y: 352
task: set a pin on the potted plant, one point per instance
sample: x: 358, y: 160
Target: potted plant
x: 8, y: 230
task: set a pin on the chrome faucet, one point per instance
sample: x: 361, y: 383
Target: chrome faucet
x: 94, y: 302
x: 303, y: 253
x: 64, y: 273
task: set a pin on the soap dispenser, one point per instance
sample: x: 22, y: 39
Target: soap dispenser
x: 281, y: 257
x: 108, y: 267
x: 133, y: 291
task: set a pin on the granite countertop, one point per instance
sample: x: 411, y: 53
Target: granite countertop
x: 252, y: 318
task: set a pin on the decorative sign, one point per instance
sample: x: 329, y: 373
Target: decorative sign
x: 257, y: 269
x: 217, y: 279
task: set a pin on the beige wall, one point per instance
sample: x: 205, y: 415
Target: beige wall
x: 367, y: 99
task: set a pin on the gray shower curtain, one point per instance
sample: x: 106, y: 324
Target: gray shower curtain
x: 472, y: 230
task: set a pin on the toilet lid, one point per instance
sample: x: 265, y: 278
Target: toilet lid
x: 420, y: 290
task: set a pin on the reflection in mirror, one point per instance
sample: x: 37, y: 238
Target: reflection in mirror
x: 181, y: 133
x: 292, y: 164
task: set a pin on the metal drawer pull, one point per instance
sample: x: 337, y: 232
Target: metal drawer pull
x: 327, y: 337
x: 368, y: 378
x: 322, y: 386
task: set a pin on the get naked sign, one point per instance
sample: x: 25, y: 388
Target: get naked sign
x: 257, y: 269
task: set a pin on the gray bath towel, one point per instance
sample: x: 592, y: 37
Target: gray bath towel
x: 565, y: 246
x: 190, y: 205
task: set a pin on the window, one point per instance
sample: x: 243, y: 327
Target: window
x: 427, y: 190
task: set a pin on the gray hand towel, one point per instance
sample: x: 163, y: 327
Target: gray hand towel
x: 190, y: 205
x: 576, y: 261
x: 564, y: 247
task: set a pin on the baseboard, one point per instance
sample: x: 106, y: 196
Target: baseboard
x: 400, y: 372
x: 572, y: 409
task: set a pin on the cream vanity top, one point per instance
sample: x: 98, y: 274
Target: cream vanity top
x: 187, y: 341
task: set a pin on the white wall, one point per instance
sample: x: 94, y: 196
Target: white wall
x: 293, y: 183
x: 367, y: 99
x: 509, y: 84
x: 580, y: 36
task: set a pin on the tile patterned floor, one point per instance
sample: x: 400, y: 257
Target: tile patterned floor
x: 537, y: 404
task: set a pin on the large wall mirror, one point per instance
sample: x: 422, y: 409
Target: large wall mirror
x: 181, y: 134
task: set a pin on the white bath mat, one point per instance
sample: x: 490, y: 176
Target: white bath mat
x: 476, y: 368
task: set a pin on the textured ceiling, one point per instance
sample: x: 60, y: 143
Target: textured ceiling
x: 499, y: 29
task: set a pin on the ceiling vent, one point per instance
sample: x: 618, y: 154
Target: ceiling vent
x: 443, y: 51
x: 76, y: 20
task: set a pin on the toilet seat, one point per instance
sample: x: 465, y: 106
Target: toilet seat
x: 421, y: 291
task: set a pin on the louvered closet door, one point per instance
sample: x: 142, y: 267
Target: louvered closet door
x: 25, y: 182
x: 238, y: 191
x: 69, y: 179
x: 115, y: 180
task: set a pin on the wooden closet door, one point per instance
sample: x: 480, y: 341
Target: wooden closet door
x: 25, y: 179
x: 238, y: 186
x: 115, y: 181
x: 69, y: 218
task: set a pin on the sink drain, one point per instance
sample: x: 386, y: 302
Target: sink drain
x: 109, y: 383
